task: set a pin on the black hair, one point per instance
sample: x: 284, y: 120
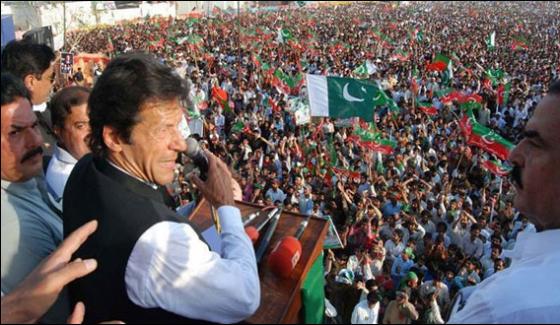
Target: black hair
x: 13, y: 88
x: 64, y: 100
x: 128, y: 82
x: 23, y: 58
x: 554, y: 87
x: 372, y: 297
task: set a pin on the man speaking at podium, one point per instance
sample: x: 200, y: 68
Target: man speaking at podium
x: 153, y: 266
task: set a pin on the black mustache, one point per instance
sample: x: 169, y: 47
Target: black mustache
x: 516, y: 176
x: 31, y: 154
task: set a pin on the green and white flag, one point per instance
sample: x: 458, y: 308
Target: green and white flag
x: 361, y: 70
x: 491, y: 41
x: 284, y: 35
x: 344, y: 97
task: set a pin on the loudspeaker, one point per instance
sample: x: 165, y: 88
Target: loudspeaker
x: 41, y: 35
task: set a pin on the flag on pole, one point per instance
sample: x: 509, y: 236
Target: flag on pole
x: 478, y: 135
x: 401, y: 55
x: 503, y: 93
x: 383, y: 146
x: 519, y: 43
x: 427, y: 108
x: 343, y: 97
x: 444, y: 92
x: 491, y: 41
x: 273, y: 105
x: 418, y: 35
x: 496, y: 167
x: 495, y: 75
x: 238, y: 127
x: 222, y: 97
x: 440, y: 63
x: 110, y: 47
x: 284, y: 35
x: 286, y: 84
x: 361, y: 70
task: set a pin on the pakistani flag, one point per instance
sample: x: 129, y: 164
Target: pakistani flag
x: 361, y: 70
x: 284, y: 35
x: 495, y: 75
x: 344, y: 97
x: 419, y: 35
x: 491, y: 41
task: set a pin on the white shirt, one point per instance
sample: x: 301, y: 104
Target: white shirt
x: 60, y: 167
x: 472, y: 248
x: 526, y: 292
x: 362, y: 314
x: 393, y: 250
x: 171, y: 268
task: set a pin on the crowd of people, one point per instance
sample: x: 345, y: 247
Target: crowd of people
x: 416, y: 225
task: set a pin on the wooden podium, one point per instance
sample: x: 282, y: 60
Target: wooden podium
x: 280, y: 298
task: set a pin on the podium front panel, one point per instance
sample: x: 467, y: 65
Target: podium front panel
x: 280, y: 297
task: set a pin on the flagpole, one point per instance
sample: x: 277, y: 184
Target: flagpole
x: 497, y: 200
x: 412, y: 73
x: 239, y: 48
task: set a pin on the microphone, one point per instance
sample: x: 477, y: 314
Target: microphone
x: 197, y: 155
x: 254, y: 231
x: 268, y: 235
x: 285, y: 256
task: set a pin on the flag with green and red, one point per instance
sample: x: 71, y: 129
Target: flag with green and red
x: 519, y: 43
x: 439, y: 63
x: 496, y: 167
x: 222, y: 97
x: 427, y: 108
x: 485, y: 138
x: 503, y: 93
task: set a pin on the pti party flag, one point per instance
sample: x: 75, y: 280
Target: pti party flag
x: 478, y: 135
x: 345, y: 97
x: 496, y: 167
x: 440, y: 63
x: 503, y: 93
x: 519, y: 43
x: 427, y: 108
x: 222, y: 97
x: 286, y: 84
